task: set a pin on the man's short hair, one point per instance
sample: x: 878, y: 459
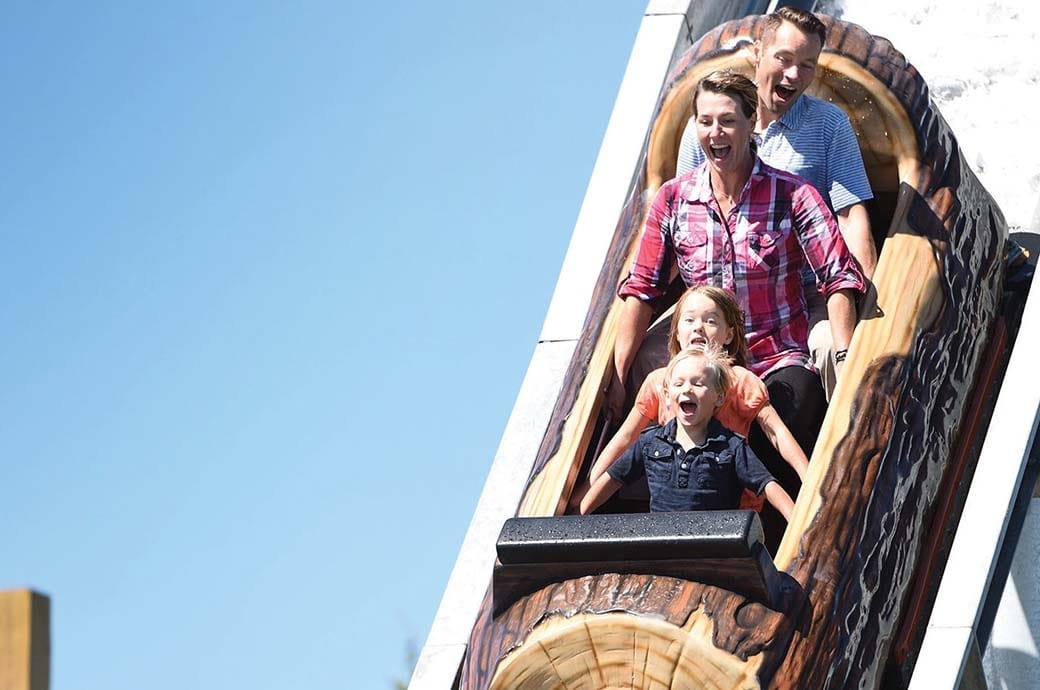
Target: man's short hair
x: 807, y: 22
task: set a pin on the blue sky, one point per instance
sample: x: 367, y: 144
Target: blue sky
x: 271, y: 277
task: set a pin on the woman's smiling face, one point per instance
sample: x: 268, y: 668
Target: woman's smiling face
x: 724, y: 132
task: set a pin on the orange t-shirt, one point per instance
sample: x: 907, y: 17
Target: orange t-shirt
x: 747, y: 394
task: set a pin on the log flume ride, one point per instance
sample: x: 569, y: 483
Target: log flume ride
x: 851, y: 559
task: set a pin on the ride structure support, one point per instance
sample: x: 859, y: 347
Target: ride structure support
x: 25, y: 640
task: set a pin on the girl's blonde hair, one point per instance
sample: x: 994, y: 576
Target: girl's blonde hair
x: 727, y: 303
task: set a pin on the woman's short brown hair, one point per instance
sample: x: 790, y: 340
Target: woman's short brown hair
x: 732, y: 84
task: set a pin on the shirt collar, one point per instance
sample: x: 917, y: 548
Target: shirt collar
x: 699, y: 186
x: 667, y: 432
x: 715, y: 432
x: 792, y: 119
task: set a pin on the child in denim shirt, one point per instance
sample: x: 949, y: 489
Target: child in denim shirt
x: 692, y: 462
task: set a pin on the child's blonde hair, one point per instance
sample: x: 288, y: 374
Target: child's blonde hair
x: 727, y: 303
x: 716, y: 362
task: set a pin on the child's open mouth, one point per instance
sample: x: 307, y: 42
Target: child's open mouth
x: 687, y: 407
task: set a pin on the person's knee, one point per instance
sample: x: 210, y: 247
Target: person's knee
x: 821, y: 342
x: 798, y: 397
x: 821, y: 349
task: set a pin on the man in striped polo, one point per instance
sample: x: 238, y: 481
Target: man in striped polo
x: 811, y: 138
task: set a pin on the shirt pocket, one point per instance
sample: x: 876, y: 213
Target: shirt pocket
x: 691, y: 242
x: 716, y: 472
x: 688, y: 237
x: 766, y: 245
x: 659, y: 466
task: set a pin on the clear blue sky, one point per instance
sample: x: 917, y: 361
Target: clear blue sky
x: 271, y: 276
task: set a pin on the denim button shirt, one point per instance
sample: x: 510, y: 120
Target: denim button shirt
x: 707, y: 477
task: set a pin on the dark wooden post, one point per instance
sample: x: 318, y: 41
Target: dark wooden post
x: 25, y: 640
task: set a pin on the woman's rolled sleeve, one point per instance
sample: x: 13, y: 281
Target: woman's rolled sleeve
x: 824, y: 247
x: 651, y: 269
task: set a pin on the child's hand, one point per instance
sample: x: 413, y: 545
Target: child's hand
x: 779, y: 499
x: 574, y: 504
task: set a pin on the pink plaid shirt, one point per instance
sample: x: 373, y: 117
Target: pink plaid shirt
x: 779, y: 224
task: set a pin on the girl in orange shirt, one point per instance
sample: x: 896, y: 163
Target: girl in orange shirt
x: 707, y: 316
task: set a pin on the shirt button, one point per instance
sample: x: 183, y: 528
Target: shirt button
x: 685, y: 465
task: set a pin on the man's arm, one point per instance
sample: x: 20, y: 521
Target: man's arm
x: 841, y: 312
x: 635, y: 319
x: 848, y: 189
x: 854, y: 223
